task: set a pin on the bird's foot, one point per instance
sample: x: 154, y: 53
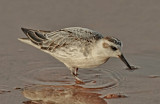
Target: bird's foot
x: 78, y: 80
x: 75, y: 74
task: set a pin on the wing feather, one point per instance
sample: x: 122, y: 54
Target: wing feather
x: 61, y: 38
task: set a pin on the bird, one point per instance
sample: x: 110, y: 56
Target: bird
x: 76, y: 47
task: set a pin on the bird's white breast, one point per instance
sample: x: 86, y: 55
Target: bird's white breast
x: 78, y: 58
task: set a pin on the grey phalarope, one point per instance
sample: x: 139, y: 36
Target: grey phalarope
x: 76, y: 47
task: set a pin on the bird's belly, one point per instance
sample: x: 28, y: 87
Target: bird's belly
x: 87, y: 62
x: 79, y: 59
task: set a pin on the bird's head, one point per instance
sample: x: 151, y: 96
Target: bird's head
x: 112, y: 47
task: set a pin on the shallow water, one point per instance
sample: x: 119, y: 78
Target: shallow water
x: 99, y: 82
x: 26, y: 69
x: 65, y: 94
x: 93, y: 78
x: 55, y: 84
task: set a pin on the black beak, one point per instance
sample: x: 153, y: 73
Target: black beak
x: 125, y: 61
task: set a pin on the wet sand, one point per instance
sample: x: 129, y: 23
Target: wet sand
x: 37, y: 74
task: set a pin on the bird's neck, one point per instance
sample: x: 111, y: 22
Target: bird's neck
x: 99, y: 52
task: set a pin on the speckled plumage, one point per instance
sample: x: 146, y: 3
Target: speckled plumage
x: 67, y: 43
x: 70, y: 36
x: 76, y: 47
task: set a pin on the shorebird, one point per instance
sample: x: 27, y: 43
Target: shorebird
x: 76, y: 47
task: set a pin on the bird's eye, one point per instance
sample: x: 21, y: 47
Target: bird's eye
x: 113, y: 48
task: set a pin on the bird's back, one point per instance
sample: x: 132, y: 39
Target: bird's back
x: 73, y: 36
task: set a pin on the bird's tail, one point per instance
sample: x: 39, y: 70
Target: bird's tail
x: 35, y: 36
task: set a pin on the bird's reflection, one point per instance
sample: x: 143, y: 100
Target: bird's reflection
x: 48, y: 94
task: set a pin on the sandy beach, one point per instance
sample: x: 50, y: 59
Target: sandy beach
x: 30, y: 76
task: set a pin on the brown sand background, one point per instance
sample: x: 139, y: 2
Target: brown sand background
x: 135, y: 22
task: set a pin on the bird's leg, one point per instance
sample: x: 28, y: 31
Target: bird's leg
x: 74, y: 73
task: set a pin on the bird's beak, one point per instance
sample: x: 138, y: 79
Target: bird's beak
x: 125, y: 61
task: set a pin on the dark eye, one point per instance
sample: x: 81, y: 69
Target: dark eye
x: 113, y: 48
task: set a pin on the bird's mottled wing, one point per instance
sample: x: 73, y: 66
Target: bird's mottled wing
x: 70, y: 36
x: 65, y: 38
